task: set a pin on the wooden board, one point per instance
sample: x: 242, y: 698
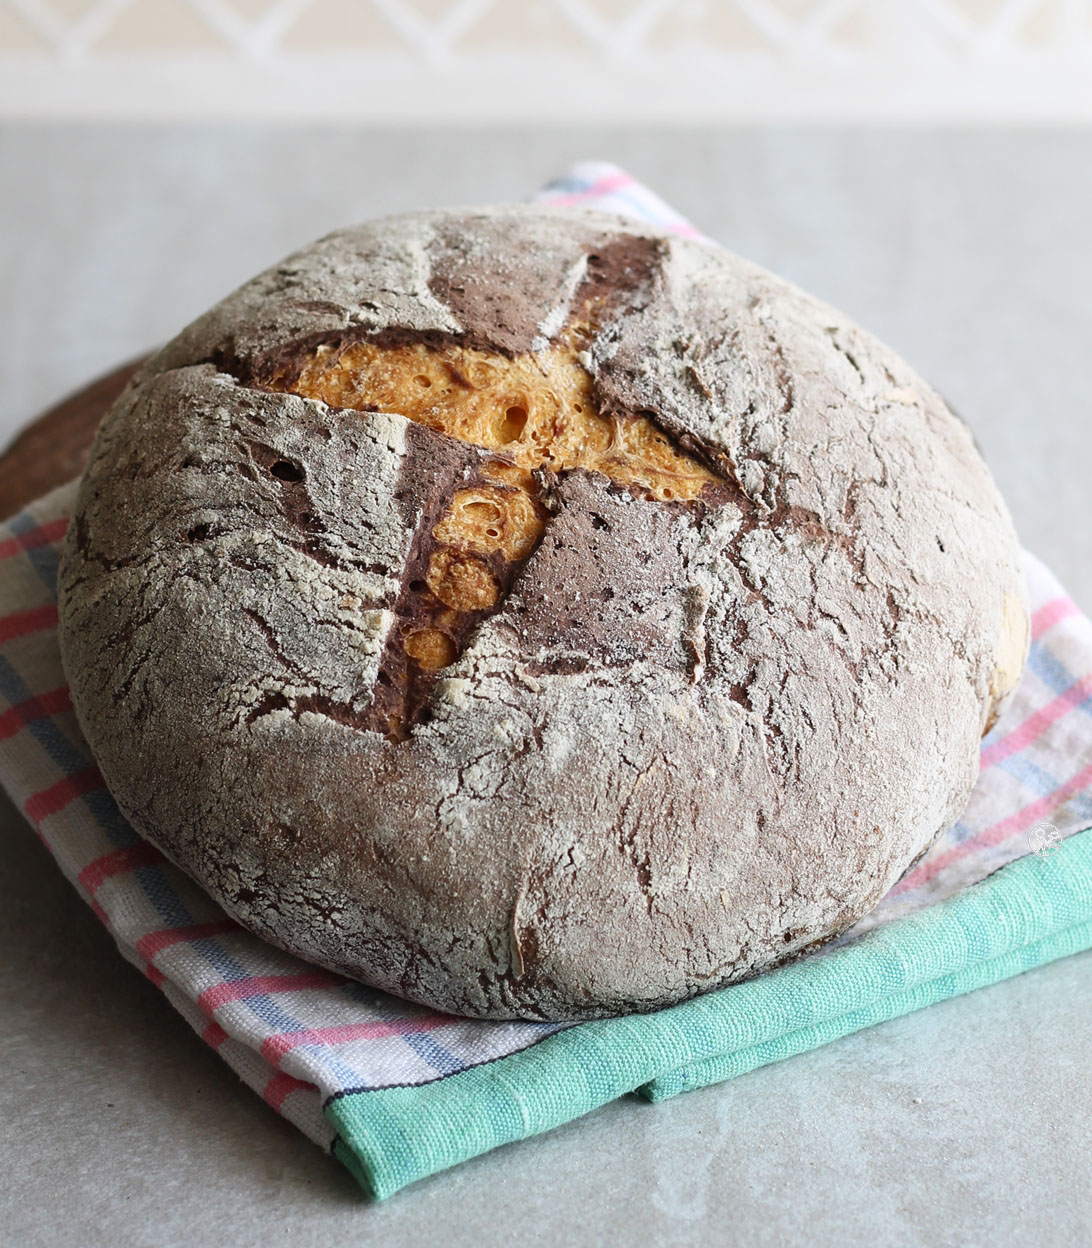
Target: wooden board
x: 53, y: 449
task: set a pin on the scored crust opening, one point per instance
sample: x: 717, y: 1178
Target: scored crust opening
x: 539, y: 412
x: 538, y: 409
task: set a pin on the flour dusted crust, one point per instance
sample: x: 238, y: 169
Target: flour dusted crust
x: 521, y: 736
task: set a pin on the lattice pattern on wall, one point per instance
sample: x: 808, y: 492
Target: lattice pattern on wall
x: 945, y: 45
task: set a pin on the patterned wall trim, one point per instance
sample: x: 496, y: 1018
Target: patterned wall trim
x: 520, y: 60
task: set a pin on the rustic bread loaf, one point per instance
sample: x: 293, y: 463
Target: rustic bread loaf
x: 536, y: 615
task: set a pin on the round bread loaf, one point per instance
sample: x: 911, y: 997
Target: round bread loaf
x: 533, y: 614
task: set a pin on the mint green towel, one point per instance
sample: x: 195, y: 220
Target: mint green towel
x: 1031, y: 912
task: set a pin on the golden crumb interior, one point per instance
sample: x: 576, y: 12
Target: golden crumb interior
x: 539, y: 409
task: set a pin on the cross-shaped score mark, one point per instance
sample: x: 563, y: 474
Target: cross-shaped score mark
x: 539, y: 414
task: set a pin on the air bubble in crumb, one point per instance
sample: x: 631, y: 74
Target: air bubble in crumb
x: 431, y: 648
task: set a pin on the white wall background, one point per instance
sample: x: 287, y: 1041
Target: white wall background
x: 549, y: 60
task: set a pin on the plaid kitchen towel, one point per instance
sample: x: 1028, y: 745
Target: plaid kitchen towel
x: 397, y: 1091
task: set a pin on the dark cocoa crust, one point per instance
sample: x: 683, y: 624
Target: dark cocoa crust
x: 575, y: 627
x: 690, y: 741
x: 471, y: 276
x: 621, y: 279
x: 434, y: 469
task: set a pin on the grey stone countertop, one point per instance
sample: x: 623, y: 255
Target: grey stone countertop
x: 967, y: 1123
